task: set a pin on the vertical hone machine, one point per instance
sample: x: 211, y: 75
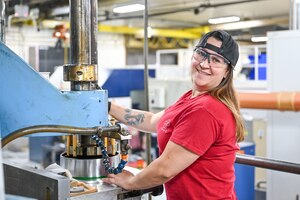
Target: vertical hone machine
x: 29, y: 104
x: 84, y: 153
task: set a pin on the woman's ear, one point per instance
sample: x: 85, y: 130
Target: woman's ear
x: 226, y: 74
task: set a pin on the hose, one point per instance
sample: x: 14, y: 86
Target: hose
x: 48, y: 128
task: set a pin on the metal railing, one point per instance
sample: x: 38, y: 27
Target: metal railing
x: 268, y: 163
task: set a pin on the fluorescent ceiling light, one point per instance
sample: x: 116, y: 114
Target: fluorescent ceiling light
x: 259, y: 38
x: 129, y: 8
x: 221, y: 20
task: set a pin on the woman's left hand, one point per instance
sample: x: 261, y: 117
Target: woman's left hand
x: 122, y: 179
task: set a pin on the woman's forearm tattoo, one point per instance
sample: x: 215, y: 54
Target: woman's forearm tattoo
x: 133, y: 119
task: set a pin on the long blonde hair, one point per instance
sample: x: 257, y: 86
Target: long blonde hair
x: 225, y: 92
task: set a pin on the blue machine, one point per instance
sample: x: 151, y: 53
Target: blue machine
x: 122, y: 81
x: 27, y: 99
x: 244, y: 183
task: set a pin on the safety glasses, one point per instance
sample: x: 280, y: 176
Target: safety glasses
x: 200, y: 55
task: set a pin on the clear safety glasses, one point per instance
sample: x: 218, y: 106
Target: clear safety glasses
x: 214, y: 60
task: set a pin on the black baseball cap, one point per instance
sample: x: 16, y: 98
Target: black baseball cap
x: 229, y: 48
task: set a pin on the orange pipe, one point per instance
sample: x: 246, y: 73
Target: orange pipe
x: 283, y: 101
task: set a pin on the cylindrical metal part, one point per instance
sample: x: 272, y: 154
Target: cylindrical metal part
x: 74, y: 145
x: 83, y: 43
x: 94, y: 31
x: 2, y: 21
x: 68, y: 145
x: 113, y: 146
x: 2, y: 8
x: 80, y: 72
x: 83, y: 86
x: 114, y: 128
x: 80, y: 23
x: 268, y: 163
x: 87, y: 169
x: 148, y: 136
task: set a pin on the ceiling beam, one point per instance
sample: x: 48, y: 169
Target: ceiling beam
x: 173, y: 33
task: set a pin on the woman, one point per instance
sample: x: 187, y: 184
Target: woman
x: 198, y: 135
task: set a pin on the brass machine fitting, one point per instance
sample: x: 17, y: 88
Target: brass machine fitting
x: 80, y: 72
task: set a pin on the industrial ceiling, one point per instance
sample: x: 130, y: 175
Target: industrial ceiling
x: 257, y: 16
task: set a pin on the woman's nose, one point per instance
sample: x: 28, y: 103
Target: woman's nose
x: 204, y: 63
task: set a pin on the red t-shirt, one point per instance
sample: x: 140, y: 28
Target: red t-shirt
x: 206, y: 127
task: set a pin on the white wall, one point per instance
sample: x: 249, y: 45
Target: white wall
x: 283, y: 127
x: 111, y: 47
x: 111, y: 51
x: 20, y: 39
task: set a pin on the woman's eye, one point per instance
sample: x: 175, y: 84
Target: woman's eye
x: 202, y: 54
x: 216, y: 60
